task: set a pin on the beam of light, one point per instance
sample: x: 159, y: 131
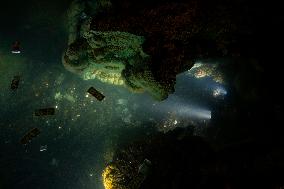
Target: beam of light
x: 194, y: 112
x: 184, y: 109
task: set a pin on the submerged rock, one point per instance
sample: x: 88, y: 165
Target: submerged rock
x: 178, y: 159
x: 144, y: 45
x: 161, y: 161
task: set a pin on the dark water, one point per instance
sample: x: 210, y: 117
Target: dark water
x: 81, y: 137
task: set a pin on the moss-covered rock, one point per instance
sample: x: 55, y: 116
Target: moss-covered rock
x: 144, y: 45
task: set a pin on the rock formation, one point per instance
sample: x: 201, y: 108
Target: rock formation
x: 144, y: 45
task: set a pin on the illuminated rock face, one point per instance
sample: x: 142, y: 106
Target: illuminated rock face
x: 112, y: 57
x: 174, y: 157
x: 207, y: 70
x: 144, y: 45
x: 104, y: 55
x: 117, y: 56
x: 124, y: 173
x: 99, y: 56
x: 111, y: 178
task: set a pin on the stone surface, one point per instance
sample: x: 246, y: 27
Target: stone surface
x: 143, y: 46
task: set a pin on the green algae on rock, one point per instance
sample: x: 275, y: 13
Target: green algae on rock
x: 143, y: 46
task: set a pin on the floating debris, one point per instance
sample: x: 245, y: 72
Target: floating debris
x: 122, y: 101
x: 99, y: 96
x: 30, y: 135
x: 45, y: 111
x: 43, y: 148
x: 15, y: 82
x: 70, y: 98
x: 16, y: 47
x: 54, y: 162
x: 145, y: 167
x: 83, y: 16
